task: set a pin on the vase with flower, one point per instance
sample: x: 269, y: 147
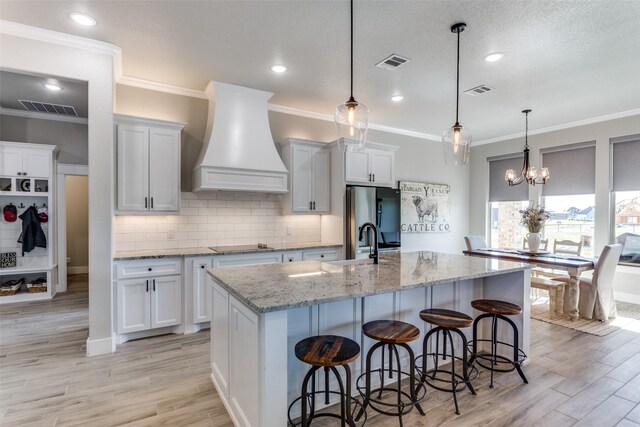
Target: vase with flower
x: 534, y: 218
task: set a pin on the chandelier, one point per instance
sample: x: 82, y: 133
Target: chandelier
x: 529, y: 173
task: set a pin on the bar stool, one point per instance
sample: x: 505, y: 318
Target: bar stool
x: 446, y: 322
x: 497, y: 310
x: 326, y: 351
x: 392, y: 334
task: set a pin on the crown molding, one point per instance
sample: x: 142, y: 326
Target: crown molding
x: 160, y: 87
x: 42, y: 116
x: 574, y: 124
x: 329, y: 118
x: 56, y: 37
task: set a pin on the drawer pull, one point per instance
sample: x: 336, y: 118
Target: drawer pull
x: 154, y: 285
x: 147, y: 285
x: 149, y: 268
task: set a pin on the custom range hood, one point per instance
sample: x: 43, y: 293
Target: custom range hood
x: 238, y: 152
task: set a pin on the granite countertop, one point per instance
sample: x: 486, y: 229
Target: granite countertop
x: 276, y: 287
x: 220, y: 250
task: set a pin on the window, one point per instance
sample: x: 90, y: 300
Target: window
x: 626, y: 197
x: 569, y: 195
x: 505, y: 203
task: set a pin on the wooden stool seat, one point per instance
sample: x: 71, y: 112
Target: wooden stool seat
x: 496, y: 307
x: 327, y: 350
x: 391, y: 331
x: 446, y: 318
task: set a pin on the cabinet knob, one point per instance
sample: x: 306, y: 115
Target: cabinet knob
x: 374, y: 177
x: 322, y: 256
x: 24, y: 174
x: 19, y: 173
x: 290, y: 259
x: 202, y: 266
x: 149, y: 268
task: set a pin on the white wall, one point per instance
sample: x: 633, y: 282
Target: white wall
x: 24, y: 53
x: 627, y: 281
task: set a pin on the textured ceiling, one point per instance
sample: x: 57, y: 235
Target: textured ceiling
x: 567, y: 60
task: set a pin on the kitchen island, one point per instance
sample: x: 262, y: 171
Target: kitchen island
x: 261, y: 312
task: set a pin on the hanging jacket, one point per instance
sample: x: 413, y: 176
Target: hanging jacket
x: 32, y: 234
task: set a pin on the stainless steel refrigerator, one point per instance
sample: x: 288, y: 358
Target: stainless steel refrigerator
x: 380, y: 206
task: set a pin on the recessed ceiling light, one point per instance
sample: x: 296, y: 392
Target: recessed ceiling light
x: 279, y: 68
x: 82, y: 19
x: 397, y: 98
x: 51, y: 86
x: 493, y: 57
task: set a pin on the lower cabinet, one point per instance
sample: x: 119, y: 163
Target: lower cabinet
x: 148, y: 303
x: 200, y: 299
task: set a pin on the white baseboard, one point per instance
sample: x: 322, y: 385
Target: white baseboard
x: 626, y: 297
x: 100, y: 346
x: 82, y: 269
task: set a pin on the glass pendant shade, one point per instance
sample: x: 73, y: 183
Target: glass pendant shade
x: 352, y: 123
x: 457, y: 145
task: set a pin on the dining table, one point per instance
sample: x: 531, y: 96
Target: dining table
x: 574, y: 266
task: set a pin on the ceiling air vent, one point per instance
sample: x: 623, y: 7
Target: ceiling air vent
x: 392, y: 62
x: 46, y: 107
x: 478, y: 90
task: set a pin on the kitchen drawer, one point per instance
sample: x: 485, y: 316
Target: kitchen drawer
x: 148, y: 268
x: 332, y: 254
x: 247, y: 259
x: 291, y: 256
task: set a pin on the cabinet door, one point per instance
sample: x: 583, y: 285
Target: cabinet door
x: 133, y: 168
x: 321, y: 181
x: 164, y: 170
x: 382, y: 168
x: 243, y: 355
x: 133, y: 307
x: 166, y: 301
x: 357, y: 167
x: 220, y: 329
x: 201, y: 310
x: 301, y: 184
x: 36, y: 163
x: 10, y: 161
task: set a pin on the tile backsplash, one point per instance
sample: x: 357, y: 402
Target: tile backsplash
x: 217, y: 218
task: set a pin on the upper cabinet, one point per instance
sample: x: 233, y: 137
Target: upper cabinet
x: 309, y: 165
x: 373, y: 165
x: 148, y: 165
x: 19, y: 161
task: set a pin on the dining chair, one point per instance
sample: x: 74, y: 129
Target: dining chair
x: 567, y: 247
x: 475, y: 242
x: 596, y: 299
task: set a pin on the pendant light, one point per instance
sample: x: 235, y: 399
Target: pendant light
x: 457, y: 139
x: 352, y: 117
x: 529, y: 173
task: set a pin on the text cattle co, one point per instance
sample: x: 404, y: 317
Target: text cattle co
x: 421, y: 227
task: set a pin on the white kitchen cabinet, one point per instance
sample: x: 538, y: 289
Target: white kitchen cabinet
x: 309, y: 165
x: 19, y: 161
x: 374, y: 165
x: 322, y: 254
x: 148, y: 157
x: 200, y: 301
x: 148, y: 294
x: 220, y: 329
x: 247, y: 259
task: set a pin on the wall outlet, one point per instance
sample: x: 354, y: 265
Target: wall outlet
x: 171, y: 233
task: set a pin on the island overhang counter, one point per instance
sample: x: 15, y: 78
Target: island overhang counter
x: 260, y: 312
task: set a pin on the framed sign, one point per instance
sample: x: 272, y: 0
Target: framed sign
x: 424, y: 207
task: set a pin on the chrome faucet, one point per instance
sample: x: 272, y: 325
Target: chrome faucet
x: 373, y: 255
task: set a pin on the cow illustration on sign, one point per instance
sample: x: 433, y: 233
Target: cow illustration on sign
x: 425, y: 207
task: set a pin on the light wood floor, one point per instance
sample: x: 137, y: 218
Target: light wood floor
x: 45, y: 379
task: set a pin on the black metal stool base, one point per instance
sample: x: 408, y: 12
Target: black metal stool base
x: 404, y: 400
x: 403, y: 407
x: 348, y: 405
x: 493, y: 361
x: 457, y: 381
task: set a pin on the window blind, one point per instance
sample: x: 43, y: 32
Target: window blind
x: 572, y: 171
x: 626, y: 165
x: 499, y: 190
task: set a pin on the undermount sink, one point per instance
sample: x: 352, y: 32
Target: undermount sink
x: 362, y: 261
